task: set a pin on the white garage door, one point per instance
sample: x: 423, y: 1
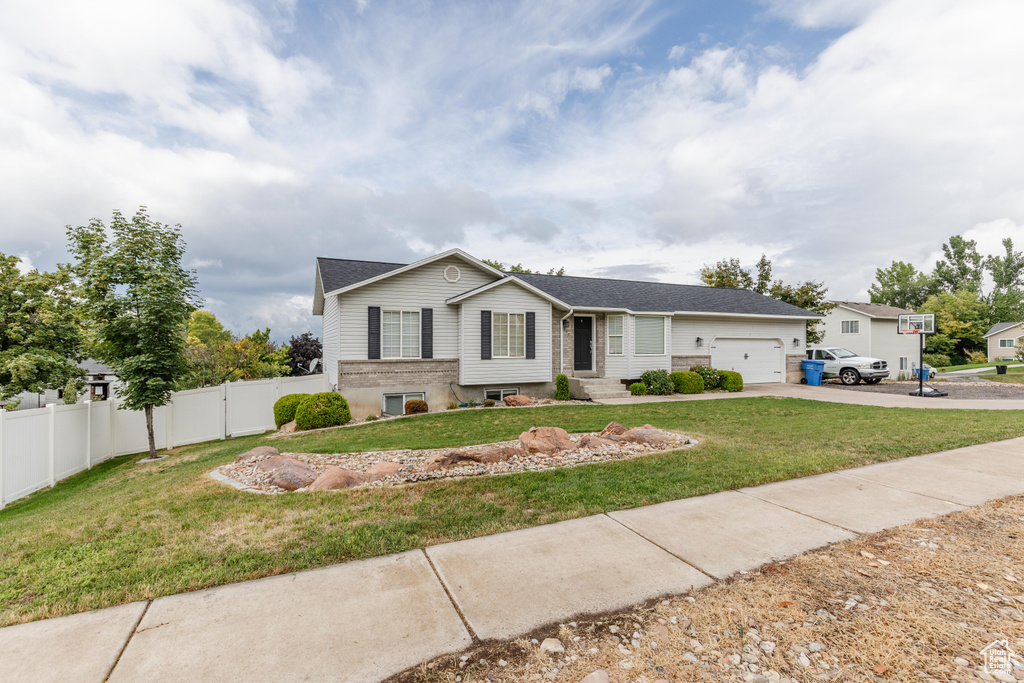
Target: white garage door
x: 758, y: 360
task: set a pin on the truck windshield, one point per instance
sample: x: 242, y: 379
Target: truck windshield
x: 842, y: 353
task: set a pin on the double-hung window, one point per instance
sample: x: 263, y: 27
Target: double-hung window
x: 1007, y: 343
x: 615, y: 328
x: 649, y: 335
x: 400, y: 334
x: 508, y: 335
x: 851, y: 327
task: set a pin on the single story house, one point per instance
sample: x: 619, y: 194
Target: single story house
x: 871, y: 330
x: 452, y: 328
x: 1002, y: 340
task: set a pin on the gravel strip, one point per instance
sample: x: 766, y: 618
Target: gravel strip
x: 957, y: 389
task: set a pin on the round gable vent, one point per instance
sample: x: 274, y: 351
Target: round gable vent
x: 452, y: 274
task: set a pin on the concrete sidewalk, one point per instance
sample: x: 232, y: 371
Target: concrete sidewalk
x: 370, y: 619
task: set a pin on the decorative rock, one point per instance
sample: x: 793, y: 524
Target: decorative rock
x: 492, y: 454
x: 382, y: 470
x: 594, y: 441
x: 767, y: 646
x: 288, y: 427
x: 258, y: 452
x: 549, y: 440
x: 292, y: 474
x: 815, y: 647
x: 691, y: 658
x: 612, y: 428
x: 518, y: 400
x: 336, y: 478
x: 960, y: 661
x: 599, y: 676
x: 272, y: 463
x: 447, y: 461
x: 552, y: 647
x: 647, y: 434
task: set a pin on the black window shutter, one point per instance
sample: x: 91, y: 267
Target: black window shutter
x: 485, y: 335
x: 531, y: 334
x: 373, y: 332
x: 427, y: 333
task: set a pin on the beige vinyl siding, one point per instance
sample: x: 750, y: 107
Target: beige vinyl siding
x: 507, y: 298
x: 685, y: 331
x: 995, y: 352
x: 890, y: 346
x: 423, y: 287
x: 832, y: 325
x: 330, y: 338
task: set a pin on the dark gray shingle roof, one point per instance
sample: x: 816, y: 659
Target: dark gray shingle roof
x: 592, y: 292
x: 876, y: 310
x: 336, y: 273
x: 999, y: 327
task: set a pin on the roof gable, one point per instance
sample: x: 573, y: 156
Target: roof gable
x: 873, y: 310
x: 510, y: 279
x: 1000, y: 327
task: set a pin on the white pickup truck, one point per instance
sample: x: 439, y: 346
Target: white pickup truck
x: 848, y: 366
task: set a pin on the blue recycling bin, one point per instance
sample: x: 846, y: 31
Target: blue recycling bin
x: 813, y: 371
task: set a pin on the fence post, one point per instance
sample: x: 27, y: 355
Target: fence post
x: 223, y: 411
x: 52, y: 410
x: 3, y: 416
x: 88, y: 435
x: 169, y: 424
x: 113, y: 434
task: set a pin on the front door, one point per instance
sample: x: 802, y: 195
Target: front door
x: 583, y: 343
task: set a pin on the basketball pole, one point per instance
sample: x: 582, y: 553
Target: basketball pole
x: 920, y: 370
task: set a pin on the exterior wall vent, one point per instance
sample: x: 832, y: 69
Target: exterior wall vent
x: 452, y: 274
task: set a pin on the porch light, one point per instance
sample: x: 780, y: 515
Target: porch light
x: 699, y: 341
x: 796, y: 341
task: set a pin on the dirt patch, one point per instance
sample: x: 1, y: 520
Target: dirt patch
x: 916, y: 603
x: 956, y: 389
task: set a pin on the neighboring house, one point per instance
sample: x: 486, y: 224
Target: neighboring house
x: 870, y: 330
x: 1003, y: 339
x: 450, y: 328
x: 99, y: 380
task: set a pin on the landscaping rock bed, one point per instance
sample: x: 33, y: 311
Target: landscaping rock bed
x: 541, y: 448
x: 958, y: 389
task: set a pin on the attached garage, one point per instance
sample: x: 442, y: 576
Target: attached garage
x: 760, y: 361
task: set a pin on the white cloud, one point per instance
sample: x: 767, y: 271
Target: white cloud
x: 823, y: 13
x: 676, y: 53
x: 200, y: 263
x: 589, y: 79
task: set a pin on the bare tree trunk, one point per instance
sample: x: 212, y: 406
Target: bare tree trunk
x: 149, y: 428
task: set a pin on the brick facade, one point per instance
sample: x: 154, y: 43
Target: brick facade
x: 684, y: 363
x: 367, y: 374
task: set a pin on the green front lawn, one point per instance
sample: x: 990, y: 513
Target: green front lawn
x: 124, y: 532
x: 974, y: 366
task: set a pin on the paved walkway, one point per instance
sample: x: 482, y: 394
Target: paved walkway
x: 832, y: 395
x: 367, y: 620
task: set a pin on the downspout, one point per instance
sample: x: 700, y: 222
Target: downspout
x: 561, y: 342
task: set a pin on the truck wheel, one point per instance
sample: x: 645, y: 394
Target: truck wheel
x: 849, y: 376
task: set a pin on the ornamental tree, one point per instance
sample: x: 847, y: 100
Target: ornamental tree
x: 303, y: 350
x: 137, y: 298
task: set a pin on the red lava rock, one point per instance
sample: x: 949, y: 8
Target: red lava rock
x: 335, y: 478
x: 549, y: 440
x: 382, y: 469
x: 257, y: 452
x: 292, y: 474
x: 612, y: 428
x: 518, y: 400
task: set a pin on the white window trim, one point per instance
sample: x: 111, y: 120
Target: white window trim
x: 511, y: 391
x: 666, y: 322
x: 406, y: 396
x: 419, y: 333
x: 609, y: 335
x: 494, y: 316
x: 848, y: 324
x: 1011, y: 345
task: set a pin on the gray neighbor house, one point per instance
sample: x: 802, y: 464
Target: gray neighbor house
x: 452, y: 328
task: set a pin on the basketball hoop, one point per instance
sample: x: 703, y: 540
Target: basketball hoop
x: 921, y: 324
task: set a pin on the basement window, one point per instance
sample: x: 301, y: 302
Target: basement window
x: 394, y: 404
x: 499, y: 394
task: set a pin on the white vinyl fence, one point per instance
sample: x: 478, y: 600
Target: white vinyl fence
x: 40, y: 447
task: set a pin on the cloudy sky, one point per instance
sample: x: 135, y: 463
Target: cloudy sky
x: 631, y: 139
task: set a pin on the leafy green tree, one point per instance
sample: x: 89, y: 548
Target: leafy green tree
x: 303, y: 350
x: 727, y: 273
x: 961, y: 319
x: 138, y: 298
x: 962, y: 268
x: 1006, y: 302
x: 518, y: 268
x: 216, y: 356
x: 901, y: 285
x: 40, y: 334
x: 764, y: 275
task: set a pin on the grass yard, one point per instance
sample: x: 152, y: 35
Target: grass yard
x: 1008, y: 378
x: 973, y: 366
x: 124, y: 532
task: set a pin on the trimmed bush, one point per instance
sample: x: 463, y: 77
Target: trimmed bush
x: 657, y: 382
x: 322, y: 410
x: 731, y: 381
x: 937, y: 360
x: 415, y: 406
x: 285, y: 407
x: 489, y: 403
x: 562, y: 388
x: 638, y: 389
x: 709, y: 375
x: 371, y: 417
x: 687, y: 382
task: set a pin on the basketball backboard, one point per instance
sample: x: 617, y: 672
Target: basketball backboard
x: 916, y: 323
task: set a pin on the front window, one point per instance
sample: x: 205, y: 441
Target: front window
x: 509, y: 335
x: 499, y: 394
x: 1006, y: 343
x: 851, y: 327
x: 843, y: 353
x: 615, y: 326
x: 649, y: 333
x: 400, y: 334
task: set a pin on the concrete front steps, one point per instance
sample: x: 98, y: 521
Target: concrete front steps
x: 597, y: 387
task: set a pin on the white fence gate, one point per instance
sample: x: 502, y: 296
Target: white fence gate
x: 40, y: 447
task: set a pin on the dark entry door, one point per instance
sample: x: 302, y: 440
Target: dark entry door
x: 583, y: 343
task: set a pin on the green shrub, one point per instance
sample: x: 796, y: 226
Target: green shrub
x: 371, y: 417
x: 489, y: 403
x: 937, y: 360
x: 562, y: 388
x: 687, y: 382
x: 322, y: 410
x: 453, y: 405
x: 977, y: 357
x: 657, y: 382
x: 731, y: 381
x: 638, y: 389
x: 709, y: 375
x: 472, y: 403
x: 415, y: 406
x: 285, y: 407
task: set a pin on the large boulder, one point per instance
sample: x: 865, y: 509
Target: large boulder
x: 258, y: 452
x: 272, y: 463
x: 335, y: 478
x: 288, y: 427
x: 594, y: 441
x: 446, y: 461
x: 293, y: 474
x: 518, y: 400
x: 649, y: 435
x: 492, y: 454
x: 381, y: 470
x: 547, y: 440
x: 613, y: 428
